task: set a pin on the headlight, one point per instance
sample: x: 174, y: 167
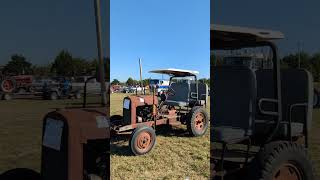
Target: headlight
x: 126, y: 104
x: 53, y: 133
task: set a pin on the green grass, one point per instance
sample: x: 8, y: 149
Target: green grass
x: 175, y: 156
x: 315, y: 141
x: 21, y: 129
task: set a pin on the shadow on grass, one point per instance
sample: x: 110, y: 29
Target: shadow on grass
x: 118, y: 147
x: 168, y: 131
x: 119, y: 143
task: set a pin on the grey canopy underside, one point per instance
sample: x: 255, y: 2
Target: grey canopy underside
x: 233, y: 37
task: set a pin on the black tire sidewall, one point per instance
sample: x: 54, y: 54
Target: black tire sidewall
x: 20, y: 173
x: 192, y: 115
x: 135, y: 134
x: 287, y: 152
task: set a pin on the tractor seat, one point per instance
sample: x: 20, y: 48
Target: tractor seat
x: 227, y: 134
x: 296, y: 88
x: 233, y: 104
x: 180, y: 96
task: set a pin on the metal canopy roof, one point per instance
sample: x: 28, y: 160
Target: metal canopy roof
x: 233, y: 37
x: 175, y: 72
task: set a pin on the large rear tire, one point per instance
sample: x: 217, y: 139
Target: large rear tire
x: 142, y: 140
x: 198, y: 122
x: 20, y: 173
x: 8, y: 85
x: 282, y: 160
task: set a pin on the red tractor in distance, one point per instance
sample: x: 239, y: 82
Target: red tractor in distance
x: 15, y: 84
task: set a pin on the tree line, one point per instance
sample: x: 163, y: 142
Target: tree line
x: 64, y: 64
x: 132, y: 82
x: 304, y: 60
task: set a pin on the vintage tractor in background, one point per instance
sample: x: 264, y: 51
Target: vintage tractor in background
x: 260, y: 116
x: 185, y: 103
x: 7, y: 86
x: 14, y: 84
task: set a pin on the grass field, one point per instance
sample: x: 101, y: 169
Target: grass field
x: 21, y: 128
x: 175, y: 156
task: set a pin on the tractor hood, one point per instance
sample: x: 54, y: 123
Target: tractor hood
x: 86, y: 123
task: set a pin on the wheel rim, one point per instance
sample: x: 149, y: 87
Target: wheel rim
x: 144, y: 141
x: 288, y: 171
x: 199, y: 121
x: 7, y: 85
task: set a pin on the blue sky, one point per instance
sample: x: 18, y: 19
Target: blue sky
x: 164, y: 33
x: 40, y: 29
x: 298, y: 20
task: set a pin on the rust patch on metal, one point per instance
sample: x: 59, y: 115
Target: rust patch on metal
x: 82, y: 125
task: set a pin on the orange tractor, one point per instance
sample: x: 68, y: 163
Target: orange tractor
x: 184, y: 103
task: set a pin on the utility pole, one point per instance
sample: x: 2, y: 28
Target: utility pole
x: 299, y: 51
x: 140, y: 67
x: 100, y: 54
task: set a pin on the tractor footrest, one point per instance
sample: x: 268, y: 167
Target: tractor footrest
x: 175, y: 123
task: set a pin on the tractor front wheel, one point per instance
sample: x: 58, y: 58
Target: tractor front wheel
x: 198, y: 122
x: 142, y: 140
x: 286, y: 160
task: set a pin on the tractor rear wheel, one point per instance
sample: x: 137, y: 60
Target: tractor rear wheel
x: 142, y: 140
x: 8, y: 85
x: 285, y: 160
x: 20, y: 173
x: 198, y: 122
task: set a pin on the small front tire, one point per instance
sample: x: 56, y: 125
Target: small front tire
x: 142, y: 140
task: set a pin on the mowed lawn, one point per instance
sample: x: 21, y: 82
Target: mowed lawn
x: 175, y: 156
x: 21, y: 129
